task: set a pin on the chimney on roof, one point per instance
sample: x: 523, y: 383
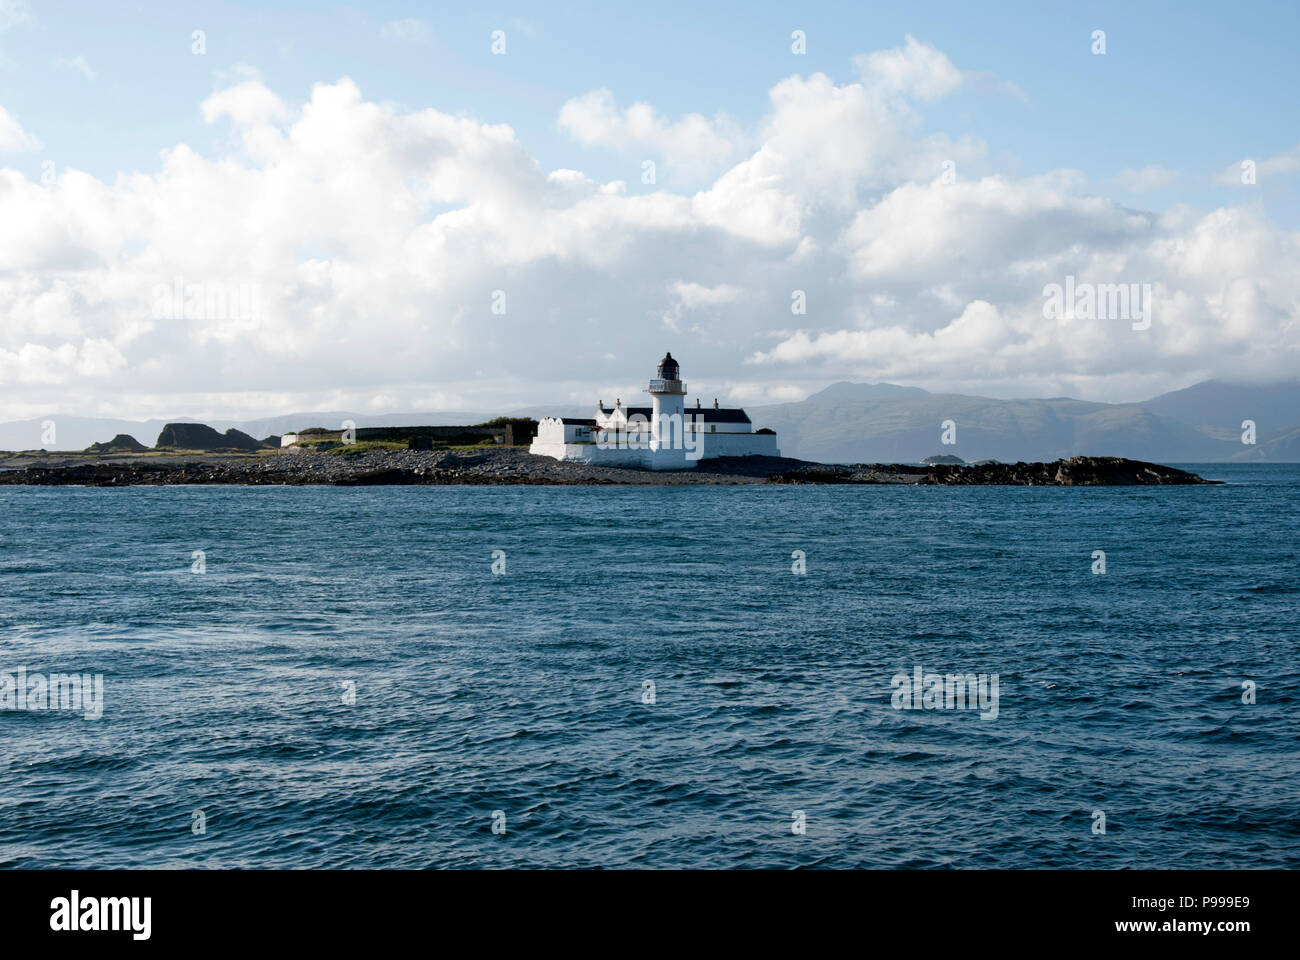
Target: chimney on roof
x: 715, y: 403
x: 697, y: 403
x: 617, y: 403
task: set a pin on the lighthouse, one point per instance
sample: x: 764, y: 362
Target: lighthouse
x: 667, y: 425
x: 665, y: 436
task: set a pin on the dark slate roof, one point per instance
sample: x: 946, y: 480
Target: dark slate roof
x: 577, y: 422
x: 710, y: 415
x: 721, y: 415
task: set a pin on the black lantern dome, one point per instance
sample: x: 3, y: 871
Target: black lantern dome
x: 668, y: 369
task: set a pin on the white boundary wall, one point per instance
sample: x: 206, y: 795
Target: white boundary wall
x: 553, y: 440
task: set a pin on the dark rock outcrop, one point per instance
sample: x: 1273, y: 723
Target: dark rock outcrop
x: 199, y: 436
x: 945, y: 458
x: 122, y: 443
x: 1074, y: 472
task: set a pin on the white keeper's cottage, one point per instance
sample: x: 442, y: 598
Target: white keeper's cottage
x: 667, y: 435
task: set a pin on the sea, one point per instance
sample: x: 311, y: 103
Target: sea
x: 653, y: 677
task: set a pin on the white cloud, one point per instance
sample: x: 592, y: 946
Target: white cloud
x: 690, y: 297
x: 78, y: 64
x: 371, y: 241
x: 410, y: 30
x: 920, y: 232
x: 247, y: 104
x: 1223, y: 301
x: 694, y: 295
x: 976, y: 336
x: 1150, y: 177
x: 915, y: 69
x: 13, y: 138
x: 825, y: 145
x: 694, y: 143
x: 36, y: 364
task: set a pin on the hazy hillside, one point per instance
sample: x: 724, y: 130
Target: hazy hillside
x: 1283, y: 449
x: 845, y: 391
x: 1217, y: 410
x: 1215, y: 402
x: 872, y: 422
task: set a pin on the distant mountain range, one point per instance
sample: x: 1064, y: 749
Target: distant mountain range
x: 850, y: 422
x: 879, y: 422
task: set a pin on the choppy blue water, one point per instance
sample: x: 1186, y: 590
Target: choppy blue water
x: 523, y: 692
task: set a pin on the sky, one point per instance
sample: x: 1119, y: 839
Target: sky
x: 242, y: 209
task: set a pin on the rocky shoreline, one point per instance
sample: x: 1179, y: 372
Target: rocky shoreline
x: 1072, y: 472
x: 514, y: 466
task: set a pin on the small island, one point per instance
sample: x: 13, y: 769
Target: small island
x: 665, y: 444
x: 375, y: 464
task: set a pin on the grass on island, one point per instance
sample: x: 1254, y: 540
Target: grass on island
x: 334, y: 447
x: 363, y: 446
x: 339, y: 449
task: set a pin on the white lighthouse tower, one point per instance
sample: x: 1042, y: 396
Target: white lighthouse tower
x: 675, y: 437
x: 667, y: 423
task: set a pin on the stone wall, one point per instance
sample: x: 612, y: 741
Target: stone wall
x: 418, y: 437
